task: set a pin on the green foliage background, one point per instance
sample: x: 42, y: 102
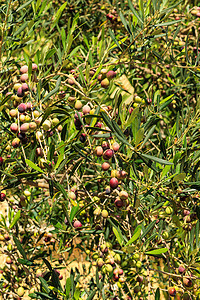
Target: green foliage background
x: 153, y: 47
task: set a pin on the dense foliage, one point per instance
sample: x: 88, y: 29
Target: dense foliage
x: 100, y: 149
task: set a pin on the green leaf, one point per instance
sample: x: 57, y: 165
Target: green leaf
x: 50, y: 53
x: 135, y: 236
x: 68, y: 286
x: 61, y: 188
x: 179, y: 177
x: 168, y: 23
x: 24, y: 5
x: 125, y: 22
x: 58, y: 15
x: 134, y: 12
x: 19, y: 247
x: 33, y: 166
x: 156, y: 159
x: 149, y: 227
x: 114, y: 38
x: 197, y: 234
x: 25, y: 262
x: 44, y: 284
x: 165, y: 171
x: 157, y: 294
x: 15, y: 219
x: 139, y: 136
x: 73, y: 212
x: 148, y: 135
x: 54, y: 91
x: 156, y: 251
x: 118, y: 234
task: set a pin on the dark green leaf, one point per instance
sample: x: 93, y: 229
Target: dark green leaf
x: 19, y: 247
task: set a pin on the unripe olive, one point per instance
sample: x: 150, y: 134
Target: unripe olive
x: 24, y: 77
x: 27, y: 193
x: 46, y: 125
x: 32, y: 126
x: 105, y: 83
x: 39, y: 273
x: 32, y: 290
x: 117, y: 258
x: 123, y: 195
x: 24, y: 69
x: 97, y: 211
x: 137, y: 289
x: 20, y: 291
x: 100, y: 262
x: 38, y: 120
x: 22, y: 118
x: 113, y: 173
x: 115, y: 146
x: 36, y: 113
x: 86, y: 109
x: 71, y: 99
x: 103, y: 72
x: 99, y: 151
x: 139, y: 264
x: 27, y: 118
x: 16, y: 86
x: 104, y: 213
x: 169, y: 210
x: 24, y: 127
x: 13, y: 113
x: 39, y: 135
x: 25, y: 88
x: 70, y: 81
x: 136, y: 256
x: 105, y: 166
x: 186, y: 297
x: 14, y: 127
x: 109, y: 268
x: 55, y: 121
x: 34, y: 67
x: 165, y: 235
x: 78, y: 105
x: 8, y: 260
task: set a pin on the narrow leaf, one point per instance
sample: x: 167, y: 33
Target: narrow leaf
x: 33, y: 166
x: 157, y: 251
x: 158, y: 160
x: 19, y: 247
x: 118, y: 234
x: 135, y: 235
x: 15, y: 219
